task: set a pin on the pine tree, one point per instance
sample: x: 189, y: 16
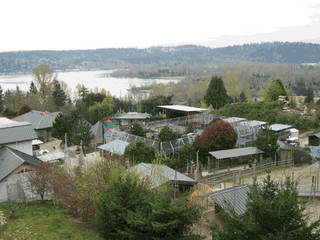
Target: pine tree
x: 216, y: 93
x: 137, y: 130
x: 275, y: 90
x: 33, y: 89
x: 273, y: 212
x: 310, y: 97
x: 58, y: 94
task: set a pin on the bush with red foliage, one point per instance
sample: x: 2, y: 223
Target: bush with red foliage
x: 219, y: 135
x: 24, y: 109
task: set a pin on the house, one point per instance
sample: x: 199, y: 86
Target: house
x: 41, y: 122
x: 159, y: 175
x: 13, y: 166
x: 282, y: 130
x: 233, y: 199
x: 18, y: 135
x: 127, y: 119
x: 114, y: 147
x: 314, y: 139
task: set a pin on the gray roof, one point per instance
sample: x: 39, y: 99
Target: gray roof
x: 12, y: 131
x: 160, y: 174
x: 236, y: 152
x: 233, y: 199
x: 96, y: 130
x: 11, y: 159
x: 39, y: 120
x: 183, y: 108
x: 315, y: 151
x: 279, y: 127
x: 116, y: 147
x: 133, y: 115
x: 51, y: 156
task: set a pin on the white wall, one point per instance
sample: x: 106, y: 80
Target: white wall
x: 25, y: 146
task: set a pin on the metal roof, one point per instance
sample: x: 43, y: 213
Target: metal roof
x: 12, y: 131
x: 279, y: 127
x: 51, y: 156
x: 133, y: 115
x: 11, y: 159
x: 233, y: 119
x: 235, y: 152
x: 315, y: 151
x: 39, y: 120
x: 315, y: 135
x: 96, y: 130
x: 160, y: 174
x: 183, y: 108
x: 233, y: 199
x: 253, y: 123
x: 116, y: 147
x: 36, y: 142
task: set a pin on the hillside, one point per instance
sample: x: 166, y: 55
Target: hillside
x: 25, y: 61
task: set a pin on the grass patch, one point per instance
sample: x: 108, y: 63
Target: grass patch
x: 41, y: 221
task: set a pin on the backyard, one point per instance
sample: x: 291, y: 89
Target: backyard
x: 38, y: 220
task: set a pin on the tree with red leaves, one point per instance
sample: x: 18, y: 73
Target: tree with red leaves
x: 219, y: 135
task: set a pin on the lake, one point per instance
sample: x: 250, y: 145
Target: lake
x: 91, y: 79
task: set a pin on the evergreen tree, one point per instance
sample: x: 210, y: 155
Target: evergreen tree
x: 216, y: 93
x: 130, y: 210
x: 61, y: 126
x: 139, y: 151
x: 243, y: 97
x: 1, y: 100
x: 310, y: 97
x: 167, y: 134
x: 58, y: 94
x: 33, y: 89
x: 275, y: 90
x: 273, y: 212
x: 137, y: 130
x: 267, y: 142
x: 81, y: 132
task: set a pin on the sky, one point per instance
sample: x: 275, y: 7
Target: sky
x: 90, y: 24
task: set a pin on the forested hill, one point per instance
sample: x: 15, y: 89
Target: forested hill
x: 25, y: 61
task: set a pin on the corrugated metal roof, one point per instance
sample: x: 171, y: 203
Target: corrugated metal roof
x: 316, y: 135
x: 96, y: 130
x: 133, y: 115
x: 11, y: 159
x: 236, y: 152
x: 160, y: 174
x: 116, y: 147
x: 39, y: 120
x: 183, y: 108
x: 16, y: 133
x: 315, y: 151
x: 233, y: 199
x: 279, y: 127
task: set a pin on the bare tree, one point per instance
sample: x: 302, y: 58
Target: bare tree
x: 39, y: 179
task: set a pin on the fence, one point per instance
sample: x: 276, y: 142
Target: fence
x: 234, y: 174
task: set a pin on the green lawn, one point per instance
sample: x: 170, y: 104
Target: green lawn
x: 42, y: 221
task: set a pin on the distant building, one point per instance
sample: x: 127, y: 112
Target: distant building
x: 41, y: 122
x: 180, y: 110
x: 18, y: 135
x: 283, y: 130
x: 127, y: 119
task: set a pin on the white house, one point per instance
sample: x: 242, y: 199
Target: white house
x: 18, y: 135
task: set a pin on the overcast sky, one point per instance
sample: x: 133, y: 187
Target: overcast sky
x: 89, y: 24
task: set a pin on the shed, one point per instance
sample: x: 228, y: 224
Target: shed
x: 117, y: 147
x: 235, y: 153
x: 233, y: 199
x: 162, y: 174
x: 181, y: 110
x: 314, y: 139
x: 283, y: 130
x: 127, y: 119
